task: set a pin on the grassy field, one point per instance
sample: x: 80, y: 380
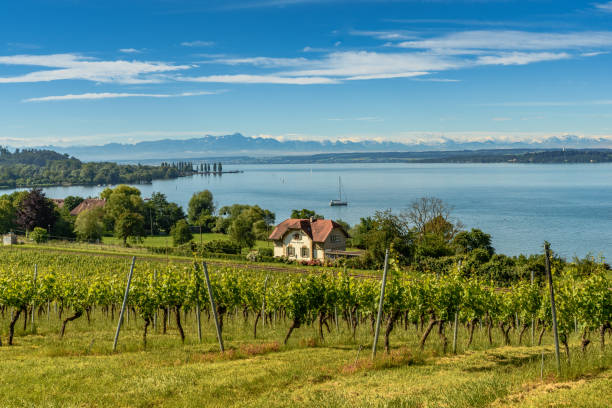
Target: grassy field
x: 80, y: 370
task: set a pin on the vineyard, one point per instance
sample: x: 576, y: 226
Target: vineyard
x: 52, y: 299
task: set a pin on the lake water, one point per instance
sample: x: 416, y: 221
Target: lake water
x: 519, y: 205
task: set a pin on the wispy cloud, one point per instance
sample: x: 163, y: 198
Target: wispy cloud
x: 115, y: 95
x: 394, y: 35
x: 520, y: 58
x: 265, y: 62
x: 512, y: 40
x: 72, y: 66
x: 130, y: 51
x: 607, y: 7
x: 259, y: 79
x: 198, y: 43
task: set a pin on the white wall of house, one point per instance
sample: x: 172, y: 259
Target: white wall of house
x: 300, y: 244
x: 336, y: 240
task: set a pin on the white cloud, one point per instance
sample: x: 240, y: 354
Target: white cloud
x: 72, y: 66
x: 512, y: 40
x: 606, y: 7
x: 130, y: 51
x: 259, y: 79
x: 520, y: 58
x: 115, y: 95
x: 266, y: 62
x: 385, y: 35
x: 197, y: 43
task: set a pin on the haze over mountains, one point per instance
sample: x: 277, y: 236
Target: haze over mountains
x: 239, y: 145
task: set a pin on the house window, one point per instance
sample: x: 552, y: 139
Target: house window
x: 290, y: 251
x: 297, y: 237
x: 305, y: 252
x: 333, y: 238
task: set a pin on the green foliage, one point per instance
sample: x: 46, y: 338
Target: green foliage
x: 130, y: 225
x: 30, y: 167
x: 39, y: 235
x: 241, y: 230
x: 71, y: 202
x: 180, y: 232
x: 161, y: 215
x: 201, y: 204
x: 467, y: 241
x: 221, y: 246
x: 89, y: 225
x: 305, y: 214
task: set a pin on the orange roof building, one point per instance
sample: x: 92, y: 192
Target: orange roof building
x: 88, y: 204
x: 308, y: 239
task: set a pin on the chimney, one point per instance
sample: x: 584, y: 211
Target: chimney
x: 312, y: 220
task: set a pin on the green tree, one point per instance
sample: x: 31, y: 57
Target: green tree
x: 130, y: 225
x: 35, y: 210
x: 241, y: 230
x: 89, y: 225
x: 388, y: 231
x: 305, y: 214
x: 161, y: 215
x: 181, y: 234
x: 71, y: 202
x: 200, y: 204
x: 467, y: 241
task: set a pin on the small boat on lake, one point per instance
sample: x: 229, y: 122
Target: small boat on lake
x: 339, y: 201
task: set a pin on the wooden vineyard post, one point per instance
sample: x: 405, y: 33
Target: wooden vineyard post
x: 155, y: 314
x: 455, y: 328
x: 455, y: 332
x: 380, y: 304
x: 213, y: 306
x: 552, y: 306
x: 125, y: 297
x: 33, y: 302
x: 532, y: 317
x: 198, y: 321
x: 263, y: 303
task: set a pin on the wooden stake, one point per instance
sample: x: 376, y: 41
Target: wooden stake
x: 455, y: 332
x: 532, y: 318
x: 213, y: 306
x: 125, y: 297
x: 552, y: 306
x: 199, y: 323
x: 380, y: 304
x: 263, y: 303
x: 33, y: 303
x: 155, y: 314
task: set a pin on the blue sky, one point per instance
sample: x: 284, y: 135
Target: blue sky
x: 94, y: 72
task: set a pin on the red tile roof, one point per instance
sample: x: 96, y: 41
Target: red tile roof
x: 318, y: 230
x: 88, y: 204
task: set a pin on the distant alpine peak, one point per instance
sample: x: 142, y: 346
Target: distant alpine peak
x: 238, y: 144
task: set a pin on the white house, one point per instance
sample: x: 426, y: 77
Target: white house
x: 308, y: 239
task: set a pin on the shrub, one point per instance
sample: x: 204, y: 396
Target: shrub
x: 181, y: 234
x: 221, y: 246
x: 39, y: 235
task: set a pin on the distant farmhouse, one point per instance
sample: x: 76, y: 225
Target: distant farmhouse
x: 309, y: 239
x: 88, y: 204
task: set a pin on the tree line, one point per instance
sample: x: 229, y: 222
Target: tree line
x: 31, y: 167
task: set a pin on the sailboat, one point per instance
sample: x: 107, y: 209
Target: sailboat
x: 339, y: 201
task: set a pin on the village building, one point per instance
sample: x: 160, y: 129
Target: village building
x: 309, y: 239
x: 88, y: 204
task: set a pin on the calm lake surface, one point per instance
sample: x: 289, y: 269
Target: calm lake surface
x: 519, y: 205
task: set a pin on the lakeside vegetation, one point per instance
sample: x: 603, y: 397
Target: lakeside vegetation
x: 31, y: 167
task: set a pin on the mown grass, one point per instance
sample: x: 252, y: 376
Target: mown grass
x: 81, y: 370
